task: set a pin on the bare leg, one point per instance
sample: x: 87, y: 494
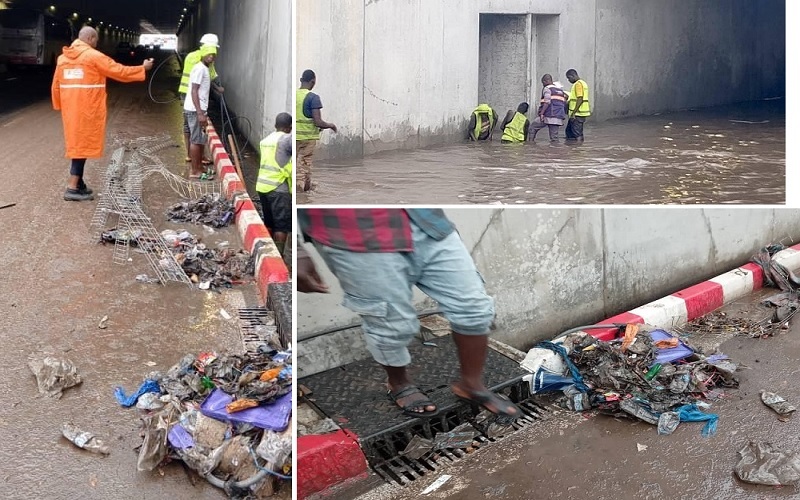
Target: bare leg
x: 398, y: 379
x: 196, y: 154
x: 472, y: 358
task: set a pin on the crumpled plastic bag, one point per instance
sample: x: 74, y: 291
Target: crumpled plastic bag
x: 83, y: 439
x: 53, y: 375
x: 129, y: 400
x: 668, y: 422
x: 275, y: 447
x: 202, y: 462
x: 777, y: 403
x: 690, y: 413
x: 154, y: 447
x: 762, y: 463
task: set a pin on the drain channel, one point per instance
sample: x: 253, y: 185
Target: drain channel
x: 383, y: 451
x: 257, y: 327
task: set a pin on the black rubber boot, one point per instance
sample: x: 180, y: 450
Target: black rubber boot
x: 77, y: 195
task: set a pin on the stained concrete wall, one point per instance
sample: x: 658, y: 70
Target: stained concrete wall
x: 332, y: 32
x: 404, y: 74
x: 255, y: 57
x: 662, y: 55
x: 553, y: 269
x: 503, y: 66
x: 414, y: 64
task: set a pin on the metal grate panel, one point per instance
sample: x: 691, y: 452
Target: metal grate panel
x: 257, y: 327
x: 354, y: 396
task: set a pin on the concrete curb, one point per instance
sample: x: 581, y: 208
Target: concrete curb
x: 327, y: 460
x: 270, y: 267
x: 695, y: 301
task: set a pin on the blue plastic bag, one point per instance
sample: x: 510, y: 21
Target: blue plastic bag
x: 128, y: 401
x: 690, y: 413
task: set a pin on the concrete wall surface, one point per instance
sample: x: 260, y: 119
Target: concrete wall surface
x: 405, y: 73
x: 553, y: 269
x: 658, y: 55
x: 254, y: 59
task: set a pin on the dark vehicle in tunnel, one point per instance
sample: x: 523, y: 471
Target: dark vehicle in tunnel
x: 32, y: 38
x: 127, y: 53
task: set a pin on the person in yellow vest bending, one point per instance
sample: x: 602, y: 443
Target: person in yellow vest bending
x: 192, y: 59
x: 481, y: 123
x: 579, y: 107
x: 274, y: 184
x: 515, y: 125
x: 309, y: 124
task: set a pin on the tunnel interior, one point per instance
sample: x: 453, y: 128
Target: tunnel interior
x: 115, y: 21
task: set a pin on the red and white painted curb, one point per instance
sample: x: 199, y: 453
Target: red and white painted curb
x: 703, y: 298
x: 270, y: 267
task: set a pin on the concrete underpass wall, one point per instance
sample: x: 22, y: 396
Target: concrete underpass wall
x: 553, y: 269
x: 674, y: 54
x: 397, y: 74
x: 330, y: 41
x: 402, y: 74
x: 255, y: 57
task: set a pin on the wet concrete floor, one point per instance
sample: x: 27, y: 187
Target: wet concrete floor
x: 57, y: 285
x: 732, y: 154
x: 570, y: 456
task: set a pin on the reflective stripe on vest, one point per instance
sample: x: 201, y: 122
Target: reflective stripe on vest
x: 192, y: 58
x: 270, y: 174
x: 515, y: 130
x: 305, y: 129
x: 585, y: 109
x: 483, y: 110
x: 558, y: 103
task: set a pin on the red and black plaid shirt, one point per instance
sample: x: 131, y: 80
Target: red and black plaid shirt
x: 358, y: 229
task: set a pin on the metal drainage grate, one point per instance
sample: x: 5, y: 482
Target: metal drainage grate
x: 354, y: 396
x: 257, y: 326
x: 383, y: 451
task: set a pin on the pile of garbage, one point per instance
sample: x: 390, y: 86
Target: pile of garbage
x: 779, y: 308
x: 211, y: 209
x: 209, y: 267
x: 122, y: 235
x: 648, y: 374
x: 225, y: 416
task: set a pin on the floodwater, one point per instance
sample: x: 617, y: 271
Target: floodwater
x: 733, y: 154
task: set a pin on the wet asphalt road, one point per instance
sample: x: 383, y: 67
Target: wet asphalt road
x: 569, y: 456
x: 57, y: 286
x: 733, y: 154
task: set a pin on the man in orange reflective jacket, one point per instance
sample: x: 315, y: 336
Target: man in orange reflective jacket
x: 79, y: 92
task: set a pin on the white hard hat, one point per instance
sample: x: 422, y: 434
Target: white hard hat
x: 210, y: 39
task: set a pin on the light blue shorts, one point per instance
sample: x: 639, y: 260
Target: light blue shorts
x: 379, y: 287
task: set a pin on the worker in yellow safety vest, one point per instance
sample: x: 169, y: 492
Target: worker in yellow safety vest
x: 579, y: 107
x: 481, y: 123
x: 193, y: 58
x: 309, y: 123
x: 274, y: 184
x: 515, y: 125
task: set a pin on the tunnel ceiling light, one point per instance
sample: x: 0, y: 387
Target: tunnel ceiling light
x: 52, y: 7
x: 184, y: 9
x: 75, y: 15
